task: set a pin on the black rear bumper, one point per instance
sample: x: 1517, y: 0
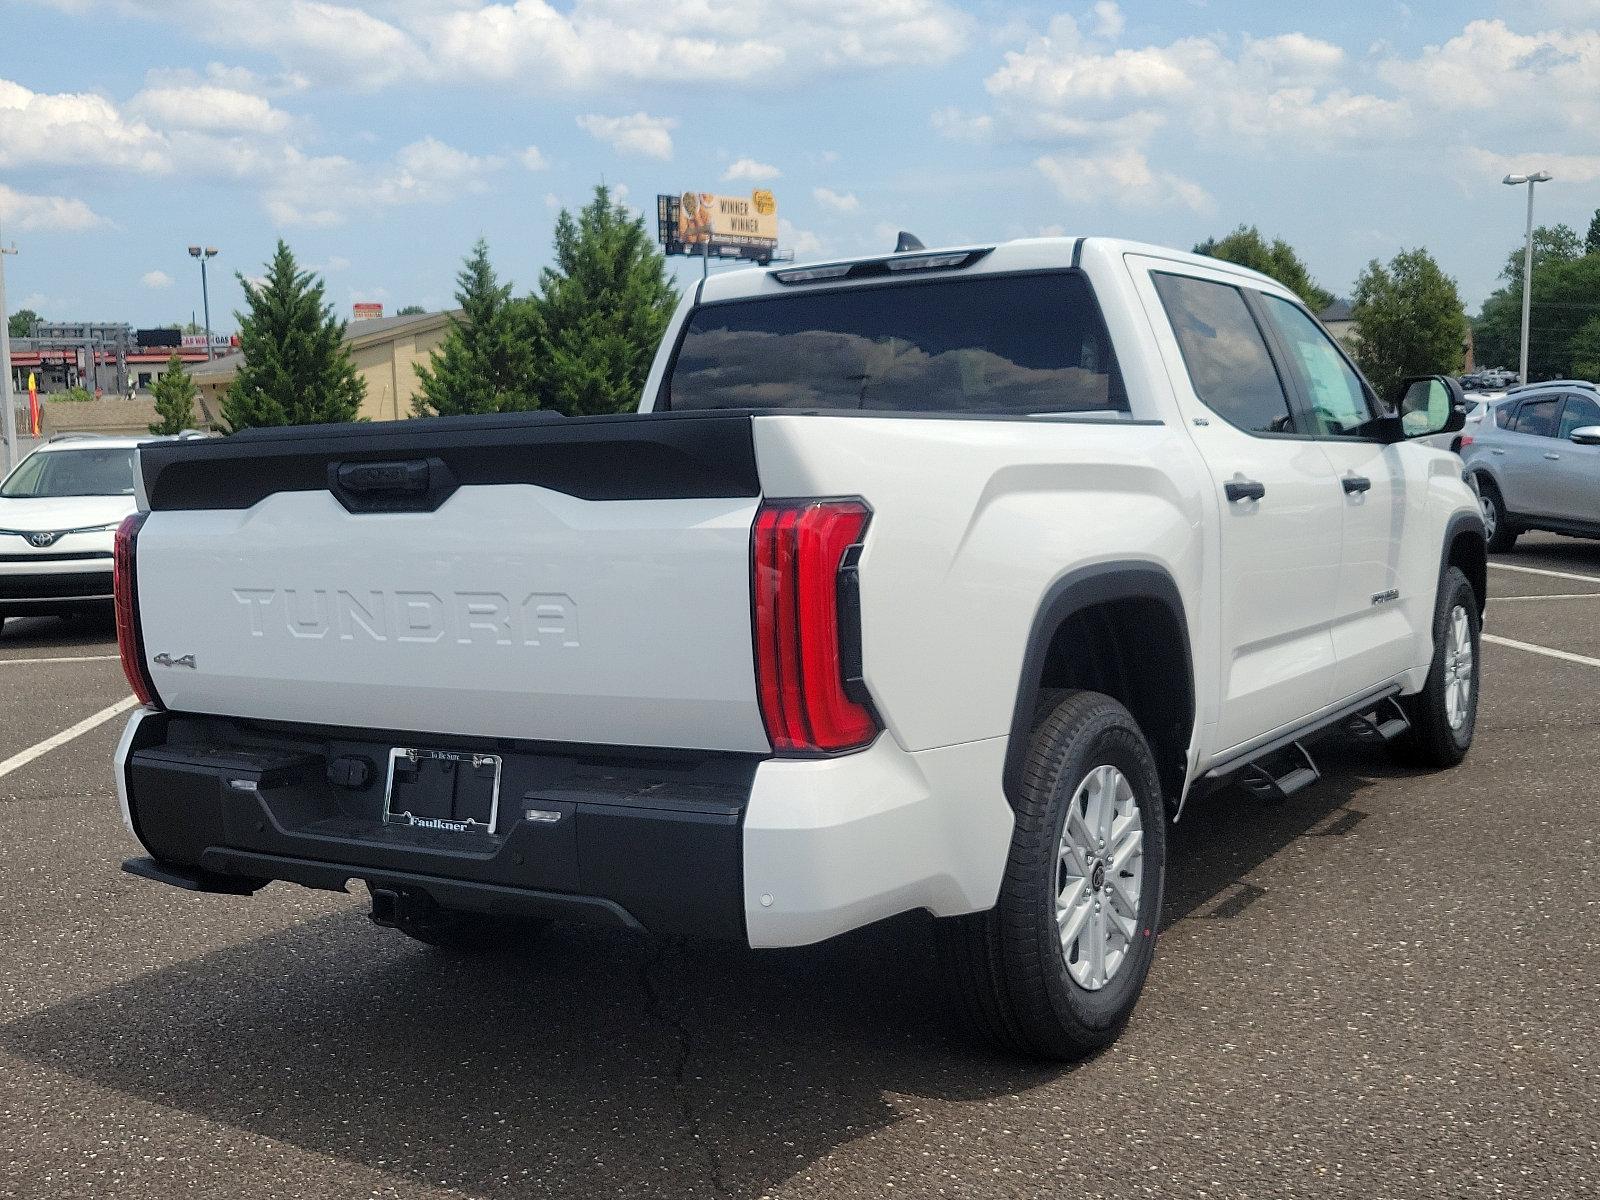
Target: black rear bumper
x: 585, y: 834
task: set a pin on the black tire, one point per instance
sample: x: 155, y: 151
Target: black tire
x: 473, y: 933
x: 1010, y: 973
x: 1498, y: 526
x: 1432, y: 740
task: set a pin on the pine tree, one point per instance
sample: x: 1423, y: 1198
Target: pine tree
x: 297, y: 369
x: 486, y: 363
x: 174, y: 392
x: 600, y: 311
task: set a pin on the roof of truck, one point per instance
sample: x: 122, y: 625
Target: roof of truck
x: 1021, y: 254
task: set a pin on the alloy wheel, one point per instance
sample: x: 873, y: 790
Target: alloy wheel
x: 1458, y: 668
x: 1099, y: 877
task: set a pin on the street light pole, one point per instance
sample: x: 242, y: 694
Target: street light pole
x: 8, y: 421
x: 1527, y: 262
x: 205, y: 296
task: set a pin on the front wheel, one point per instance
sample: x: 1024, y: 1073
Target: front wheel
x: 1055, y: 968
x: 1497, y: 526
x: 1445, y: 712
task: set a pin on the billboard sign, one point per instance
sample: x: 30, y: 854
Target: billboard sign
x: 365, y: 310
x: 722, y: 226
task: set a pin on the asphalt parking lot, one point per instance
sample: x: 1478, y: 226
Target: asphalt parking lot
x: 1387, y: 986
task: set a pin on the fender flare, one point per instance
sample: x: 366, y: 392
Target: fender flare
x: 1471, y: 524
x: 1077, y: 590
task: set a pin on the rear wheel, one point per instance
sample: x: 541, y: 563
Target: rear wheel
x: 1445, y: 712
x: 1055, y: 968
x: 1497, y: 526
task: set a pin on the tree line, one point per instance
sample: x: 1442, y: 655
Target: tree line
x: 581, y: 342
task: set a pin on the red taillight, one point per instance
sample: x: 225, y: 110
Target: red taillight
x: 1466, y: 440
x: 125, y: 586
x: 797, y: 552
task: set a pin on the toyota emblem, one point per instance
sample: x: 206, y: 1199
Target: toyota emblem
x: 42, y: 540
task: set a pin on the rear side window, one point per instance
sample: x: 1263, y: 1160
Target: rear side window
x: 1014, y: 345
x: 1538, y: 417
x: 1225, y: 353
x: 1580, y: 411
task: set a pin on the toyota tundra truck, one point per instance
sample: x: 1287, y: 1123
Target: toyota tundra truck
x: 938, y: 580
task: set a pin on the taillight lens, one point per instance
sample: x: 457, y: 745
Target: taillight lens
x: 798, y: 551
x: 1466, y: 440
x: 125, y: 587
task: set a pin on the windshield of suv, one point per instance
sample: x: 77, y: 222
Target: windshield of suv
x: 1017, y: 345
x: 93, y: 471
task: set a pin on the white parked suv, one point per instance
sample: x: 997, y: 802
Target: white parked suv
x: 935, y: 581
x: 59, y: 511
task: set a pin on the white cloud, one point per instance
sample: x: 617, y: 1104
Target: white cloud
x: 751, y: 171
x: 45, y: 214
x: 533, y: 158
x: 1121, y: 177
x: 156, y: 280
x: 73, y: 129
x: 639, y: 133
x: 1108, y: 20
x: 302, y: 189
x: 802, y: 242
x: 953, y: 123
x: 588, y: 45
x: 838, y: 201
x: 552, y: 201
x: 208, y: 108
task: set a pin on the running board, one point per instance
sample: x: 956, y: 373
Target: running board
x: 1379, y: 725
x: 1277, y: 776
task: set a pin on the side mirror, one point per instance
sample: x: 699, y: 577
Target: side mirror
x: 1585, y: 435
x: 1430, y: 404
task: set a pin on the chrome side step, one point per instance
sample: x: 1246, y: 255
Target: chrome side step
x: 1277, y: 776
x: 1382, y: 724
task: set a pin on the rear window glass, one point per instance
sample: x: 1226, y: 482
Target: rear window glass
x: 1002, y: 345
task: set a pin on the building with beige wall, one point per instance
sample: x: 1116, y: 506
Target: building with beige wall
x: 385, y: 351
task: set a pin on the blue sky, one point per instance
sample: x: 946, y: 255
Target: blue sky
x: 380, y: 137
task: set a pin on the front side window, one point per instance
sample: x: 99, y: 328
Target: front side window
x: 1333, y: 390
x: 1004, y: 345
x: 1579, y: 412
x: 1225, y: 354
x: 90, y: 472
x: 1538, y: 417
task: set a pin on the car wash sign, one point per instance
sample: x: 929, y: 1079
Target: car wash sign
x: 720, y: 226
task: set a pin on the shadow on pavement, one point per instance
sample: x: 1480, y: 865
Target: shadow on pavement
x: 597, y: 1065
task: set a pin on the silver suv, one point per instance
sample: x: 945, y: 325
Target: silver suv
x: 1536, y: 461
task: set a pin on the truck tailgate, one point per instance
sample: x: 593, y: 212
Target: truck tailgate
x: 582, y: 581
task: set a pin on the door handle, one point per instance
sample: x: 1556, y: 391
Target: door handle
x: 1553, y: 457
x: 1353, y: 484
x: 1243, y: 489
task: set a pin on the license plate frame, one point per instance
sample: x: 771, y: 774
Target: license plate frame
x: 449, y: 824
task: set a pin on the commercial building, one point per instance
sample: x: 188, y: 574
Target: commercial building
x: 385, y: 350
x: 102, y: 357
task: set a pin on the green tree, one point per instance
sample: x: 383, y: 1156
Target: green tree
x: 21, y: 322
x: 600, y: 311
x: 174, y: 392
x: 1248, y: 248
x: 486, y: 363
x: 1408, y: 320
x: 1585, y: 350
x: 411, y: 310
x: 1591, y: 241
x: 1551, y: 244
x: 297, y: 369
x: 1566, y: 294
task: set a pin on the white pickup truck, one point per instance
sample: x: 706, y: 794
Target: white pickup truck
x: 936, y: 580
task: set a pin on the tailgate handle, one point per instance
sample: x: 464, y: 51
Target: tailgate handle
x: 409, y: 485
x: 391, y: 477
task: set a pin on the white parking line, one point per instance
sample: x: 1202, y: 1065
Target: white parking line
x: 17, y: 761
x: 1552, y: 596
x: 1543, y: 571
x: 76, y: 658
x: 1563, y: 655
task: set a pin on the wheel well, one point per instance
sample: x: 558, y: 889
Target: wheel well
x: 1136, y: 651
x: 1468, y: 551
